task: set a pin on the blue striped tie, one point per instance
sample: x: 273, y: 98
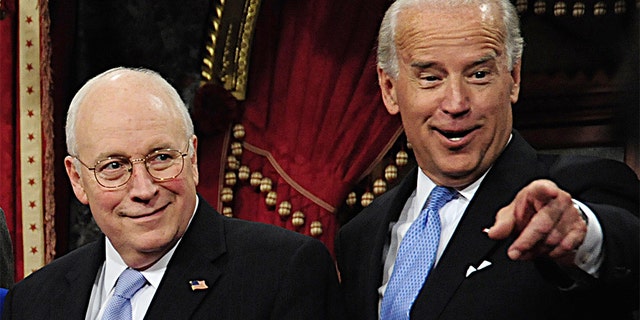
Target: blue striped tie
x: 416, y: 256
x: 119, y: 306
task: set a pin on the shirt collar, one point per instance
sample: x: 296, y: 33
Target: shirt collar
x: 114, y: 265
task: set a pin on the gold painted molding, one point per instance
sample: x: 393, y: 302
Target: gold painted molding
x: 228, y: 46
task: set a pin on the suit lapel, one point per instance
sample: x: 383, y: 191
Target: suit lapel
x: 469, y: 246
x: 74, y: 298
x: 194, y: 259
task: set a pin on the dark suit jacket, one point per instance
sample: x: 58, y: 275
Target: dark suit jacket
x: 506, y: 289
x: 254, y: 271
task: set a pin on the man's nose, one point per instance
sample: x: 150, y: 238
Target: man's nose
x: 143, y: 185
x: 456, y: 99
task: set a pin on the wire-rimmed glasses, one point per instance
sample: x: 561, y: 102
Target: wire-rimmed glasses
x: 115, y: 171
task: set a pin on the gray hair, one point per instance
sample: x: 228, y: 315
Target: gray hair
x: 388, y: 57
x: 154, y: 78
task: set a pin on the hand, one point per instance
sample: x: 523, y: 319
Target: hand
x: 546, y: 222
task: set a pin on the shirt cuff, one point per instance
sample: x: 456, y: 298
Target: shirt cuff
x: 590, y: 255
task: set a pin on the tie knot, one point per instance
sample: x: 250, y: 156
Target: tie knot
x: 439, y: 197
x: 129, y: 282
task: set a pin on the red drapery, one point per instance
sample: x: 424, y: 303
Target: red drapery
x: 26, y: 156
x: 8, y: 194
x: 313, y: 118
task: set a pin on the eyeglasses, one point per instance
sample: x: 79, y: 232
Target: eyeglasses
x: 114, y: 172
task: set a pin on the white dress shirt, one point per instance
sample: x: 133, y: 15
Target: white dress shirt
x: 108, y: 274
x: 588, y: 258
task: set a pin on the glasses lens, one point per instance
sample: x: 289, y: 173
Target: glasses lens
x: 165, y: 164
x: 113, y: 171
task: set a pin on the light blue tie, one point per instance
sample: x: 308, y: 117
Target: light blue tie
x: 119, y: 307
x: 416, y: 256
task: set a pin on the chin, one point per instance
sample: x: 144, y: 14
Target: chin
x: 458, y: 166
x: 459, y: 176
x: 156, y: 242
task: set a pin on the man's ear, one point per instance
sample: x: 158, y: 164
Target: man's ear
x: 515, y: 75
x: 387, y: 87
x: 194, y: 160
x: 76, y: 181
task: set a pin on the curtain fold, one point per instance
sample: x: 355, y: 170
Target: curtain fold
x: 7, y: 116
x: 314, y: 121
x: 26, y: 157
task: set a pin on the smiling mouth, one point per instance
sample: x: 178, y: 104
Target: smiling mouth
x: 140, y: 216
x: 145, y: 215
x: 455, y: 136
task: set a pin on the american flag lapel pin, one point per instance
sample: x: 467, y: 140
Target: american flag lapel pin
x: 198, y: 285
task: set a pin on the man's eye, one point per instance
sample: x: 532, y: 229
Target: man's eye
x: 480, y: 74
x: 113, y: 165
x: 161, y: 157
x: 430, y: 78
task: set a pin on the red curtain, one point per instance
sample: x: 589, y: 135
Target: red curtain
x: 26, y: 156
x: 313, y: 119
x: 8, y: 194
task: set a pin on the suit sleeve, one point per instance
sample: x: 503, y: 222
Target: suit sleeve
x: 611, y: 190
x: 311, y: 278
x: 619, y: 271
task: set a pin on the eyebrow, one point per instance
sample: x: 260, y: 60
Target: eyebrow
x: 484, y: 59
x: 422, y: 65
x: 105, y: 155
x: 428, y: 64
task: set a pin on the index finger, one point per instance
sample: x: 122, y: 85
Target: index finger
x: 504, y: 224
x: 535, y: 232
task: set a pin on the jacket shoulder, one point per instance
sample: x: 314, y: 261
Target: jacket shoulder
x: 260, y: 237
x: 597, y: 180
x: 60, y: 266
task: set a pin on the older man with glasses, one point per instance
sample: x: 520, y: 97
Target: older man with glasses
x: 114, y: 172
x: 166, y: 253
